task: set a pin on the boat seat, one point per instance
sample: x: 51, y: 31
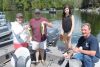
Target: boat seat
x: 21, y: 58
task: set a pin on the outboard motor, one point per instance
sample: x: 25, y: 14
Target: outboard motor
x: 21, y: 58
x: 52, y: 36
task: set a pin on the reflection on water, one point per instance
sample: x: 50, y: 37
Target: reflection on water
x: 93, y: 19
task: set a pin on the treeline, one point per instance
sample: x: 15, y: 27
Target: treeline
x: 90, y: 4
x: 32, y: 4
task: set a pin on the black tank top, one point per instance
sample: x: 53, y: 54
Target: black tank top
x: 67, y: 24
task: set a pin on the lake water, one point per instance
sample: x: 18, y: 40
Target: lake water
x: 92, y: 18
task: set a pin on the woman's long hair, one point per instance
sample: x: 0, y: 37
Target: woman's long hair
x: 64, y: 14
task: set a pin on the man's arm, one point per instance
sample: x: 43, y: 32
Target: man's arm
x: 49, y: 24
x: 88, y: 52
x: 93, y: 48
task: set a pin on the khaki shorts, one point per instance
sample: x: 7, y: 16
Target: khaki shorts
x: 36, y: 45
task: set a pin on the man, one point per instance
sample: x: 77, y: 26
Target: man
x: 87, y: 49
x: 19, y: 32
x: 39, y: 26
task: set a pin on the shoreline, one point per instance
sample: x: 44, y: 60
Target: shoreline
x: 91, y: 10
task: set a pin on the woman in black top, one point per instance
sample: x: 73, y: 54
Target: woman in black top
x: 67, y: 26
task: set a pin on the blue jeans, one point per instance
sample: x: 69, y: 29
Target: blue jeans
x: 88, y: 61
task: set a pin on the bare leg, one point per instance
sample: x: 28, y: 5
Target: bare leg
x: 66, y: 44
x: 69, y: 43
x: 66, y: 39
x: 37, y: 55
x: 42, y: 54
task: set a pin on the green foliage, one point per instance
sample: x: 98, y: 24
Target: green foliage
x: 77, y: 3
x: 32, y: 4
x: 95, y: 25
x: 1, y: 6
x: 6, y: 4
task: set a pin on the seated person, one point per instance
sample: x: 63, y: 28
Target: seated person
x: 87, y: 49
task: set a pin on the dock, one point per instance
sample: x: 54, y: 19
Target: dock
x: 5, y: 54
x: 53, y: 54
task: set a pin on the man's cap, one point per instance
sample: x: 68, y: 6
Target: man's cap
x: 37, y: 11
x: 19, y: 15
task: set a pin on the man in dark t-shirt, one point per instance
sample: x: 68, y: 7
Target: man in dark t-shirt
x: 87, y: 49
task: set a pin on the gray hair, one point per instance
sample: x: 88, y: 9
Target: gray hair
x: 86, y: 24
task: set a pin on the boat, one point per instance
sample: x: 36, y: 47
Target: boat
x: 2, y: 15
x: 5, y: 31
x: 53, y: 55
x: 52, y: 10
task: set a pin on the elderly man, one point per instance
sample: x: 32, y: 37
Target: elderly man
x: 87, y: 49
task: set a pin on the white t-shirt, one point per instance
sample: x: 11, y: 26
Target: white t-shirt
x: 17, y: 29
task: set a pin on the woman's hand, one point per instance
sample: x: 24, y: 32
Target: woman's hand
x: 61, y: 37
x: 69, y: 34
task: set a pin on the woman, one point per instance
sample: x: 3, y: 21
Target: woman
x: 67, y: 26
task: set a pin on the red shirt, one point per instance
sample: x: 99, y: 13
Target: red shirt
x: 36, y: 28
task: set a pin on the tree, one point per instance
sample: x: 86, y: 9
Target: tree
x: 1, y: 4
x: 7, y: 4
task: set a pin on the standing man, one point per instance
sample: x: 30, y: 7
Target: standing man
x: 39, y: 31
x: 20, y: 35
x: 87, y: 49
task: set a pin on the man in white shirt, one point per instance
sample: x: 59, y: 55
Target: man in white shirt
x: 19, y: 32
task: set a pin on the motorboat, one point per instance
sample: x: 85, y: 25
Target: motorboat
x: 5, y: 31
x: 52, y: 10
x: 53, y: 53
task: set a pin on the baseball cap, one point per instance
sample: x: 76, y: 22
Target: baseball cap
x: 37, y: 11
x: 19, y: 15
